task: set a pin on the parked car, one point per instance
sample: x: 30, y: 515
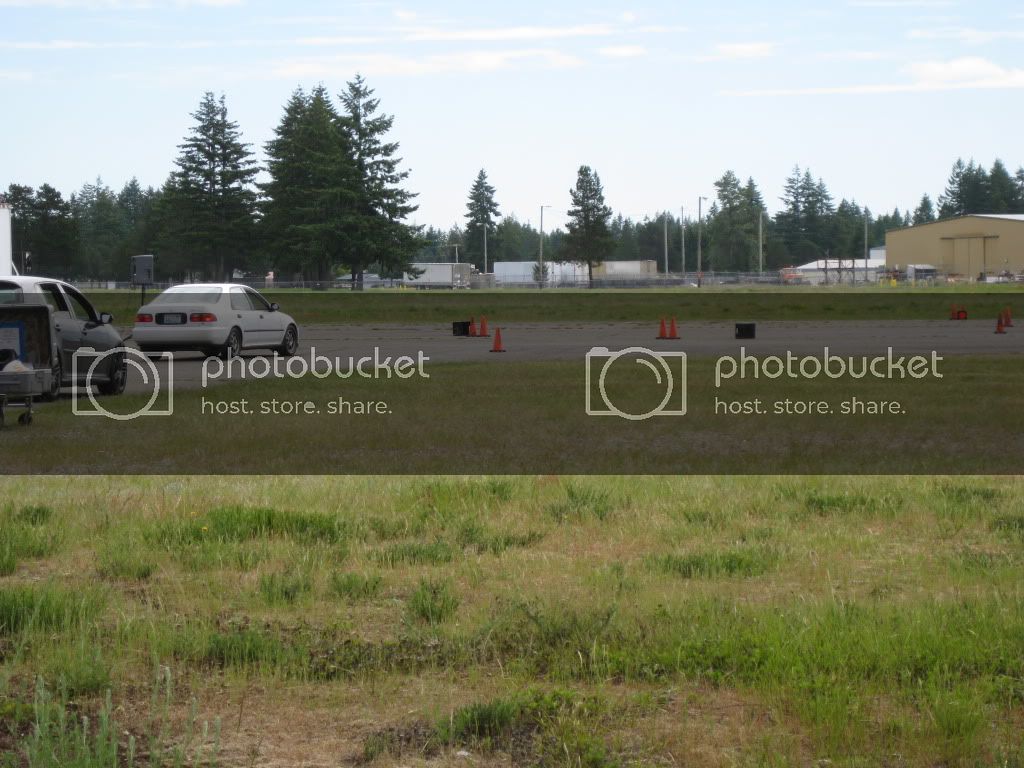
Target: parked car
x: 77, y: 326
x: 216, y: 319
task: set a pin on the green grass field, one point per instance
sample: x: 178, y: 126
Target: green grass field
x: 522, y: 620
x: 802, y: 303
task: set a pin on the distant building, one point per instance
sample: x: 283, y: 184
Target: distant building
x: 833, y: 271
x: 968, y: 246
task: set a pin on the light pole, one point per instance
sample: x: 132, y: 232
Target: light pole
x: 700, y: 236
x: 664, y: 221
x: 866, y: 246
x: 682, y: 240
x: 484, y: 225
x: 541, y: 275
x: 760, y: 243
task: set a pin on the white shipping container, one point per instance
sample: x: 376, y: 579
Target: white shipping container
x: 440, y: 275
x: 6, y: 246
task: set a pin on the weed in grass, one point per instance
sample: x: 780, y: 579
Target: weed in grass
x: 389, y: 529
x: 285, y: 588
x: 120, y: 562
x: 78, y: 669
x: 438, y: 552
x: 433, y: 602
x: 822, y: 504
x: 45, y: 608
x: 957, y: 716
x: 968, y: 494
x: 355, y: 586
x: 33, y: 515
x: 582, y: 502
x: 746, y: 562
x: 20, y: 540
x: 474, y: 535
x: 1009, y: 525
x: 236, y: 524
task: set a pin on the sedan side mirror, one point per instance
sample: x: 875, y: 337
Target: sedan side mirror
x: 274, y: 307
x: 106, y: 318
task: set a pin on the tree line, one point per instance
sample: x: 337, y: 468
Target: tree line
x: 808, y: 225
x: 332, y: 201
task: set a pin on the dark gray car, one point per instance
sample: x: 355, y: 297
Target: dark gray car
x: 77, y: 326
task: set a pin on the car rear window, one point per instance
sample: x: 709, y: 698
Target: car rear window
x: 11, y: 293
x: 195, y: 296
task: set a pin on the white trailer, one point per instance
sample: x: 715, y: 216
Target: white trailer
x: 440, y: 275
x: 6, y: 246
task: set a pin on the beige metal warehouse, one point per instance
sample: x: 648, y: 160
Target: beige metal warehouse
x: 966, y: 247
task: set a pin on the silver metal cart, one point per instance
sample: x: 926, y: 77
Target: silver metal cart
x: 26, y: 334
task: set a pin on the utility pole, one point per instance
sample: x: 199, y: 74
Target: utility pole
x: 541, y: 275
x: 700, y: 236
x: 760, y: 243
x: 664, y: 221
x: 865, y: 246
x: 682, y: 239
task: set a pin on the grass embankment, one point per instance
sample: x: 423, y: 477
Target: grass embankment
x: 807, y: 303
x: 598, y: 622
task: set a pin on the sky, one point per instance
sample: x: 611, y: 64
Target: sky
x: 877, y: 97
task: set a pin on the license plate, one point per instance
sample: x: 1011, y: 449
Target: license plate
x: 172, y: 319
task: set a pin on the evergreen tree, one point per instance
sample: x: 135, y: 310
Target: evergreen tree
x: 1002, y: 190
x: 101, y: 229
x: 381, y: 234
x: 589, y: 239
x: 1019, y: 180
x: 481, y: 212
x: 951, y: 201
x: 312, y: 200
x: 209, y: 203
x: 925, y: 211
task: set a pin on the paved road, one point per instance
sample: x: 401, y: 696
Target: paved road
x: 571, y: 341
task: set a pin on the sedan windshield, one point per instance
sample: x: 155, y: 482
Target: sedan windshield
x: 195, y: 296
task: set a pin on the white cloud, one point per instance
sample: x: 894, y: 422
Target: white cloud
x: 751, y: 50
x: 11, y: 74
x: 628, y: 17
x: 396, y: 65
x: 902, y: 3
x: 968, y: 35
x: 855, y: 55
x: 115, y: 5
x: 623, y: 51
x: 966, y: 73
x: 506, y: 34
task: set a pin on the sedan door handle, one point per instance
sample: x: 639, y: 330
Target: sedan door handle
x: 56, y: 327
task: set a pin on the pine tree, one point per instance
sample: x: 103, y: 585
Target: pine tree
x: 589, y: 239
x: 312, y: 201
x: 951, y: 201
x: 925, y: 211
x: 1002, y: 190
x: 209, y: 200
x: 481, y: 212
x: 101, y: 228
x: 381, y: 234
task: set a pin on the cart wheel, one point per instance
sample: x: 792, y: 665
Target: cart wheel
x: 25, y: 419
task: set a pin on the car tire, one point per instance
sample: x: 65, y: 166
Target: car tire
x: 290, y: 343
x: 118, y: 376
x: 57, y: 383
x: 233, y: 346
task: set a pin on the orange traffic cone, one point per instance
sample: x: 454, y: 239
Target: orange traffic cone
x: 999, y: 324
x: 498, y: 347
x: 1008, y: 321
x: 472, y: 327
x: 483, y: 328
x: 673, y: 332
x: 662, y: 333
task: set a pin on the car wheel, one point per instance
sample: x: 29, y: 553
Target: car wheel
x: 233, y: 346
x: 290, y: 345
x: 118, y: 376
x: 55, y: 385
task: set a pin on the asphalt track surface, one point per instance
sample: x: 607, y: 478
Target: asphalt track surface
x: 572, y: 341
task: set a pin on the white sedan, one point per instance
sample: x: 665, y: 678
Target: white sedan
x: 216, y: 319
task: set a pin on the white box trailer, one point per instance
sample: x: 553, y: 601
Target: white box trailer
x: 6, y: 245
x: 440, y: 275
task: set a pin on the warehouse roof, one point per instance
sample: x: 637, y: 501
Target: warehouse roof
x: 1007, y: 216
